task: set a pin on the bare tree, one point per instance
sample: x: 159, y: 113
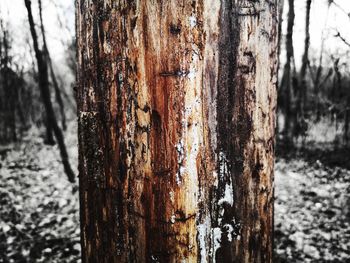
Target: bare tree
x: 280, y: 22
x: 45, y: 94
x: 286, y: 91
x: 7, y: 79
x: 52, y: 72
x: 305, y: 61
x: 347, y: 119
x: 317, y: 79
x: 300, y: 125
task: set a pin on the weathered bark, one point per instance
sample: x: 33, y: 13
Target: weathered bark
x: 52, y: 72
x: 45, y: 95
x: 176, y: 109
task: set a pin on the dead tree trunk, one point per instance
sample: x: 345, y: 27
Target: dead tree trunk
x: 317, y: 81
x: 49, y: 129
x: 287, y: 78
x: 347, y: 121
x: 176, y: 107
x: 305, y: 59
x: 2, y: 124
x: 280, y: 22
x: 45, y: 95
x: 7, y: 80
x: 52, y: 72
x: 301, y: 128
x: 279, y: 46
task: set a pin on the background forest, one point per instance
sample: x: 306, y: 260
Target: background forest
x: 39, y: 208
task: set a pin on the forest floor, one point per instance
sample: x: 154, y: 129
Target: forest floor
x: 39, y: 211
x: 312, y: 212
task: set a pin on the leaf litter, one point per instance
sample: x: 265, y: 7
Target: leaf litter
x: 39, y: 211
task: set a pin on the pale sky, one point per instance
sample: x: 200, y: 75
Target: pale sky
x: 336, y: 20
x: 14, y: 12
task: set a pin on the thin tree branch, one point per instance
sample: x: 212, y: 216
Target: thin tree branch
x: 338, y: 35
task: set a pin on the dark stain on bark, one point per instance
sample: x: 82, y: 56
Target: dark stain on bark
x: 235, y: 126
x: 175, y: 29
x: 93, y: 158
x: 226, y: 107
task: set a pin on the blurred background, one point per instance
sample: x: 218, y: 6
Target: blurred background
x: 39, y: 207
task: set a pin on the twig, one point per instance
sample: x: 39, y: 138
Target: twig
x: 342, y: 38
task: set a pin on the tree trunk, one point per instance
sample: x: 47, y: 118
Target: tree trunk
x: 280, y: 22
x: 279, y: 47
x: 9, y: 89
x: 300, y: 123
x: 45, y: 95
x: 305, y: 59
x: 319, y: 70
x: 287, y: 78
x: 49, y: 129
x: 347, y: 121
x: 176, y: 105
x: 52, y: 72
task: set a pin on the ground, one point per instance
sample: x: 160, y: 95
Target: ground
x: 39, y: 211
x: 39, y: 216
x: 312, y: 212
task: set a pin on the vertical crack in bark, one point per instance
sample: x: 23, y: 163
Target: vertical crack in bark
x: 224, y: 227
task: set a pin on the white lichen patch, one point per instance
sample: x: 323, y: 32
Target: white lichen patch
x: 201, y: 229
x: 194, y: 136
x: 216, y: 237
x: 191, y: 74
x: 180, y: 148
x: 173, y: 219
x: 172, y: 197
x: 224, y: 230
x: 83, y: 114
x: 229, y: 231
x: 228, y: 195
x: 107, y: 47
x: 215, y: 176
x: 222, y: 163
x: 192, y: 21
x: 188, y: 147
x: 223, y: 170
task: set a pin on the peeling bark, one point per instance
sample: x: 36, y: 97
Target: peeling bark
x: 176, y: 109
